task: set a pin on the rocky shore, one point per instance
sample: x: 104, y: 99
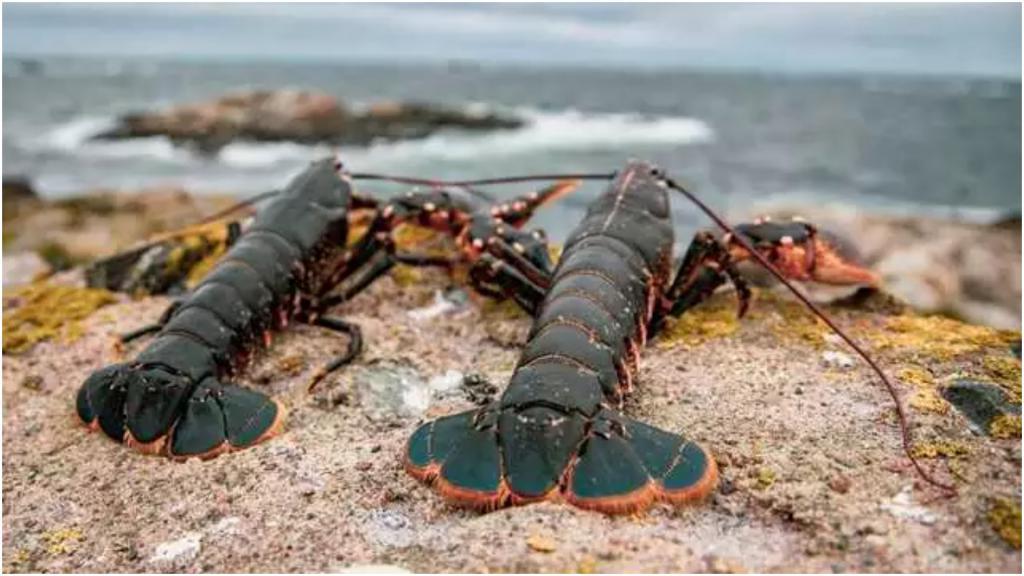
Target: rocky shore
x: 812, y: 473
x: 298, y: 116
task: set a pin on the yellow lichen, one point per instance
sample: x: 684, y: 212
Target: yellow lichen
x: 926, y: 398
x: 62, y: 541
x: 20, y: 561
x: 917, y: 376
x: 765, y: 478
x: 929, y: 401
x: 541, y: 543
x: 1004, y: 517
x: 420, y: 240
x: 406, y: 276
x: 1005, y: 371
x: 41, y: 311
x: 937, y: 337
x: 943, y: 448
x: 502, y: 309
x: 587, y: 565
x: 291, y: 364
x: 1005, y: 426
x: 715, y: 318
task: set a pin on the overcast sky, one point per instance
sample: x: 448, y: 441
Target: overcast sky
x: 972, y: 39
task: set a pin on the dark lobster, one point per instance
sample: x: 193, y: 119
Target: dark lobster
x: 172, y: 399
x: 557, y: 432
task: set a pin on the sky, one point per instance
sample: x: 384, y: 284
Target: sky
x: 961, y: 39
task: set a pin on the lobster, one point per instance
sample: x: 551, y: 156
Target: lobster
x: 557, y: 432
x: 172, y: 399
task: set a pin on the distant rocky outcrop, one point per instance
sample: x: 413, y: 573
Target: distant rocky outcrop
x: 298, y: 116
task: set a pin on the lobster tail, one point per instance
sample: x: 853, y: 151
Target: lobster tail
x: 222, y: 417
x: 626, y: 465
x: 160, y: 412
x: 460, y: 458
x: 608, y: 463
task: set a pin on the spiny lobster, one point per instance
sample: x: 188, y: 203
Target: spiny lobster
x: 557, y: 432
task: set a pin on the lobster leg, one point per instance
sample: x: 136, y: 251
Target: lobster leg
x: 154, y: 327
x: 706, y: 266
x: 490, y: 271
x: 355, y: 346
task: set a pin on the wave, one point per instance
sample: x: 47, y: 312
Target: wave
x: 75, y: 137
x: 564, y: 131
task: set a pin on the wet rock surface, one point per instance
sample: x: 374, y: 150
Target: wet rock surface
x: 299, y: 116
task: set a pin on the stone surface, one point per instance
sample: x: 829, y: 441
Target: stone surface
x: 812, y: 475
x: 330, y: 491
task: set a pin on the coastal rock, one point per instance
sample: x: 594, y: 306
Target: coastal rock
x: 23, y: 268
x: 331, y: 491
x: 298, y: 116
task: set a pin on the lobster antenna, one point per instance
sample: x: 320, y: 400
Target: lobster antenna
x: 904, y: 426
x: 479, y: 182
x: 237, y: 206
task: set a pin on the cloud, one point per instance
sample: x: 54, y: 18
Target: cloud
x: 940, y: 38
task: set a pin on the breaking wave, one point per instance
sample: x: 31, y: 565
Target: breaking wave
x: 567, y: 130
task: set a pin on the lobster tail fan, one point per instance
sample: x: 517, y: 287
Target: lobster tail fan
x: 461, y: 458
x: 222, y: 417
x: 626, y: 465
x: 100, y: 401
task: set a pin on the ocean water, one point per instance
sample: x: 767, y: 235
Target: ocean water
x: 943, y: 146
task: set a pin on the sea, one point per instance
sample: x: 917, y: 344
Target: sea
x: 743, y: 141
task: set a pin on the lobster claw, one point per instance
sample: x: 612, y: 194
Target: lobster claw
x: 802, y: 252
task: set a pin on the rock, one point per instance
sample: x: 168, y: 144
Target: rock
x: 902, y: 505
x: 833, y: 359
x: 180, y: 551
x: 391, y: 529
x: 980, y: 402
x: 23, y: 268
x: 840, y: 484
x: 541, y: 543
x: 389, y: 389
x: 18, y: 188
x: 298, y: 116
x: 442, y: 304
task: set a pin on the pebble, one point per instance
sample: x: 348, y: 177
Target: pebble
x: 840, y: 484
x: 390, y: 528
x: 833, y: 359
x: 181, y: 550
x: 541, y: 543
x: 902, y: 506
x: 23, y: 268
x: 444, y: 303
